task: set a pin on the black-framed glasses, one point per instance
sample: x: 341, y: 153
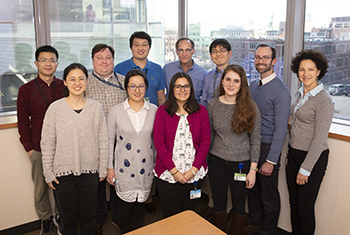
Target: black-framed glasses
x: 52, y: 61
x: 187, y: 51
x: 221, y: 51
x: 263, y: 58
x: 134, y: 87
x: 179, y: 87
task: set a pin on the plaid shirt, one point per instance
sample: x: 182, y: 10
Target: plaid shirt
x: 104, y: 93
x: 31, y: 109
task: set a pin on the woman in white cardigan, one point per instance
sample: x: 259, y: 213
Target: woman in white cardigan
x: 131, y: 155
x: 75, y: 151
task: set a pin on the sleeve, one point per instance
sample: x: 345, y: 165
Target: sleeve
x: 210, y: 114
x: 159, y: 137
x: 323, y: 121
x: 48, y: 144
x: 23, y: 120
x: 255, y: 137
x: 282, y: 108
x: 112, y: 127
x: 161, y: 85
x: 204, y: 145
x: 103, y: 144
x: 205, y: 93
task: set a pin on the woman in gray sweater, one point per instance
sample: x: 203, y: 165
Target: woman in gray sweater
x: 235, y: 146
x: 311, y: 113
x: 131, y: 152
x: 74, y: 145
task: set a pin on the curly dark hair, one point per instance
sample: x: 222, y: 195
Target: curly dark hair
x: 318, y: 58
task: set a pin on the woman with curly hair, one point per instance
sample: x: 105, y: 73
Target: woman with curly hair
x: 311, y: 113
x: 235, y: 123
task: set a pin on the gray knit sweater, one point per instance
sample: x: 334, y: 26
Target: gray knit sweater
x: 226, y: 144
x: 310, y: 127
x: 74, y: 143
x: 132, y: 155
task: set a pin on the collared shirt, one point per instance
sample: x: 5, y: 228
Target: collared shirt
x: 31, y: 109
x: 196, y: 72
x: 212, y: 79
x: 154, y: 73
x: 137, y: 118
x: 106, y: 94
x: 300, y: 103
x: 268, y: 78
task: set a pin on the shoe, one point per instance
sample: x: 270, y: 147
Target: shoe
x: 57, y: 222
x: 150, y: 208
x: 219, y: 220
x: 98, y: 229
x: 46, y: 227
x: 250, y: 229
x: 207, y: 213
x: 237, y: 224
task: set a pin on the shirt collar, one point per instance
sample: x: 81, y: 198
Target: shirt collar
x: 133, y: 65
x: 127, y: 106
x: 40, y: 81
x: 268, y: 78
x: 106, y: 79
x: 314, y: 91
x: 179, y: 64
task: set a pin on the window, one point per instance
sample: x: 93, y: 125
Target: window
x: 335, y: 46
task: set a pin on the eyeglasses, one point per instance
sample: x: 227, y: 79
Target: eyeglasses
x: 178, y: 87
x: 140, y: 45
x: 264, y: 58
x: 72, y: 81
x: 221, y: 51
x: 187, y: 51
x: 133, y: 87
x: 44, y: 61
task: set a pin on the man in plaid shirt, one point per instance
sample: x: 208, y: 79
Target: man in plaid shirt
x: 107, y: 87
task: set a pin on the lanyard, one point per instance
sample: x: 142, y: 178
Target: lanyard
x: 214, y: 85
x: 109, y: 83
x: 42, y: 93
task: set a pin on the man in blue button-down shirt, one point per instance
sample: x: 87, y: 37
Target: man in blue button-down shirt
x: 185, y: 49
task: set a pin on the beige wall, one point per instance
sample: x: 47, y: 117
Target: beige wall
x: 332, y: 207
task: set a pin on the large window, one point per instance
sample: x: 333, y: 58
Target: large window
x: 245, y: 24
x: 17, y: 46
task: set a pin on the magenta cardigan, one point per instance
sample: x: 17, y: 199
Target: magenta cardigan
x: 164, y: 131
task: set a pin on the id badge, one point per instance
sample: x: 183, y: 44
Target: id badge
x: 240, y: 176
x: 195, y: 194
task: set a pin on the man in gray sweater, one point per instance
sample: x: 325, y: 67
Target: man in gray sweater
x: 273, y: 99
x: 107, y: 87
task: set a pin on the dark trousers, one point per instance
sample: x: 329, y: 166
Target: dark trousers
x: 102, y: 209
x: 302, y: 198
x: 130, y: 215
x: 175, y: 198
x: 113, y: 202
x: 75, y: 198
x: 221, y: 173
x: 264, y: 199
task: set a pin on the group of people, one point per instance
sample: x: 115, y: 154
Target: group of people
x: 138, y: 125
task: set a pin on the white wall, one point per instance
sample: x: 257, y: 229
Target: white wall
x: 332, y: 206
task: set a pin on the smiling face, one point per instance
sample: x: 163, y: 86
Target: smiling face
x: 185, y: 51
x: 140, y: 49
x: 76, y: 82
x: 182, y: 90
x: 308, y: 74
x: 265, y: 68
x: 136, y: 88
x: 103, y: 63
x: 46, y: 64
x: 231, y: 83
x: 220, y: 56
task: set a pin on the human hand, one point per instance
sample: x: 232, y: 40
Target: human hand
x: 110, y: 175
x: 250, y: 181
x: 266, y: 169
x: 30, y: 152
x: 302, y: 179
x: 180, y: 177
x: 51, y: 184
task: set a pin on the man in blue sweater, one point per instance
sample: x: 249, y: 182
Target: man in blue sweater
x: 273, y: 99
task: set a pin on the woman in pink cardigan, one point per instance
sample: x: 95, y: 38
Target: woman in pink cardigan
x: 181, y: 135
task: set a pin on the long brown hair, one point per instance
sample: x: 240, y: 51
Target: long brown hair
x: 244, y: 114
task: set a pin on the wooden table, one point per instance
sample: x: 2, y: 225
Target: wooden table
x: 187, y: 222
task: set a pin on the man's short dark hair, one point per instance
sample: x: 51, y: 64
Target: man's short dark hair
x: 181, y: 39
x: 101, y: 47
x: 141, y: 35
x: 273, y: 56
x: 46, y: 48
x: 220, y: 42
